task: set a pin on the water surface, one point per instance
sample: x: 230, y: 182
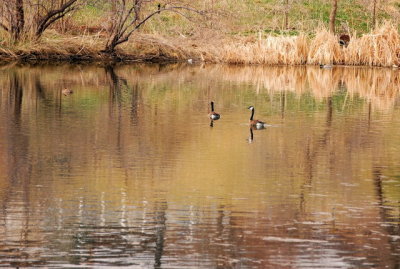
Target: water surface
x: 127, y: 170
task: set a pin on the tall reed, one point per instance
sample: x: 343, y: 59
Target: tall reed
x: 325, y: 49
x: 273, y: 50
x: 379, y: 48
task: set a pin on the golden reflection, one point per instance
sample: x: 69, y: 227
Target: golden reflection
x: 379, y: 85
x: 132, y: 148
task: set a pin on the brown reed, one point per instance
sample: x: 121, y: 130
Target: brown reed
x: 273, y: 50
x: 379, y: 48
x: 325, y: 49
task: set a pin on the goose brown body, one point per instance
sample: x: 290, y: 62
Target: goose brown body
x: 256, y: 122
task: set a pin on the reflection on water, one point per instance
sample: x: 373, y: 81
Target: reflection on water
x: 126, y: 171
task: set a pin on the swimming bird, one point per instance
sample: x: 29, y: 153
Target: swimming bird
x: 67, y: 91
x: 213, y: 115
x: 325, y: 66
x: 255, y: 123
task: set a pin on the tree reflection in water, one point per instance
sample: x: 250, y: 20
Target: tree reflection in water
x: 124, y: 173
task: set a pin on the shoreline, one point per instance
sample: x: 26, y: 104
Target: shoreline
x: 85, y: 58
x: 33, y: 59
x: 377, y: 49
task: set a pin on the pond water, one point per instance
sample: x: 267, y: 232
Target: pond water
x: 127, y: 170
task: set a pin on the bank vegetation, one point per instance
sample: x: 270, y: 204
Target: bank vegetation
x: 269, y: 32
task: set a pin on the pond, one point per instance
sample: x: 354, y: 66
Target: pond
x: 127, y: 171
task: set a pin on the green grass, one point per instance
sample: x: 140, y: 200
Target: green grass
x: 246, y: 17
x: 303, y: 15
x: 91, y: 14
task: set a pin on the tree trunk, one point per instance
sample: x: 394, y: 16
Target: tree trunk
x: 138, y: 8
x: 332, y: 16
x: 18, y: 21
x: 286, y: 14
x: 111, y: 44
x: 113, y: 14
x: 374, y: 13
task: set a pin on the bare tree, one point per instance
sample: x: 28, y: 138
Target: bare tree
x: 332, y: 16
x: 14, y: 17
x: 41, y: 13
x: 374, y: 2
x: 128, y: 17
x: 19, y: 19
x: 287, y: 14
x: 48, y: 16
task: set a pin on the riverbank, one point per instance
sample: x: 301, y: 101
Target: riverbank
x: 378, y: 48
x: 87, y: 48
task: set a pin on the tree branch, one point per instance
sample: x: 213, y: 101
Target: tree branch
x: 54, y: 15
x: 4, y: 27
x: 122, y: 32
x: 172, y: 9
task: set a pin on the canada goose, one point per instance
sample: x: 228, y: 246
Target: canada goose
x: 67, y: 91
x: 344, y: 40
x: 255, y: 123
x: 213, y: 115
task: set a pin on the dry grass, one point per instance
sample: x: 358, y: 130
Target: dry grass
x: 379, y: 48
x: 157, y: 47
x: 281, y: 50
x: 325, y: 49
x: 54, y: 46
